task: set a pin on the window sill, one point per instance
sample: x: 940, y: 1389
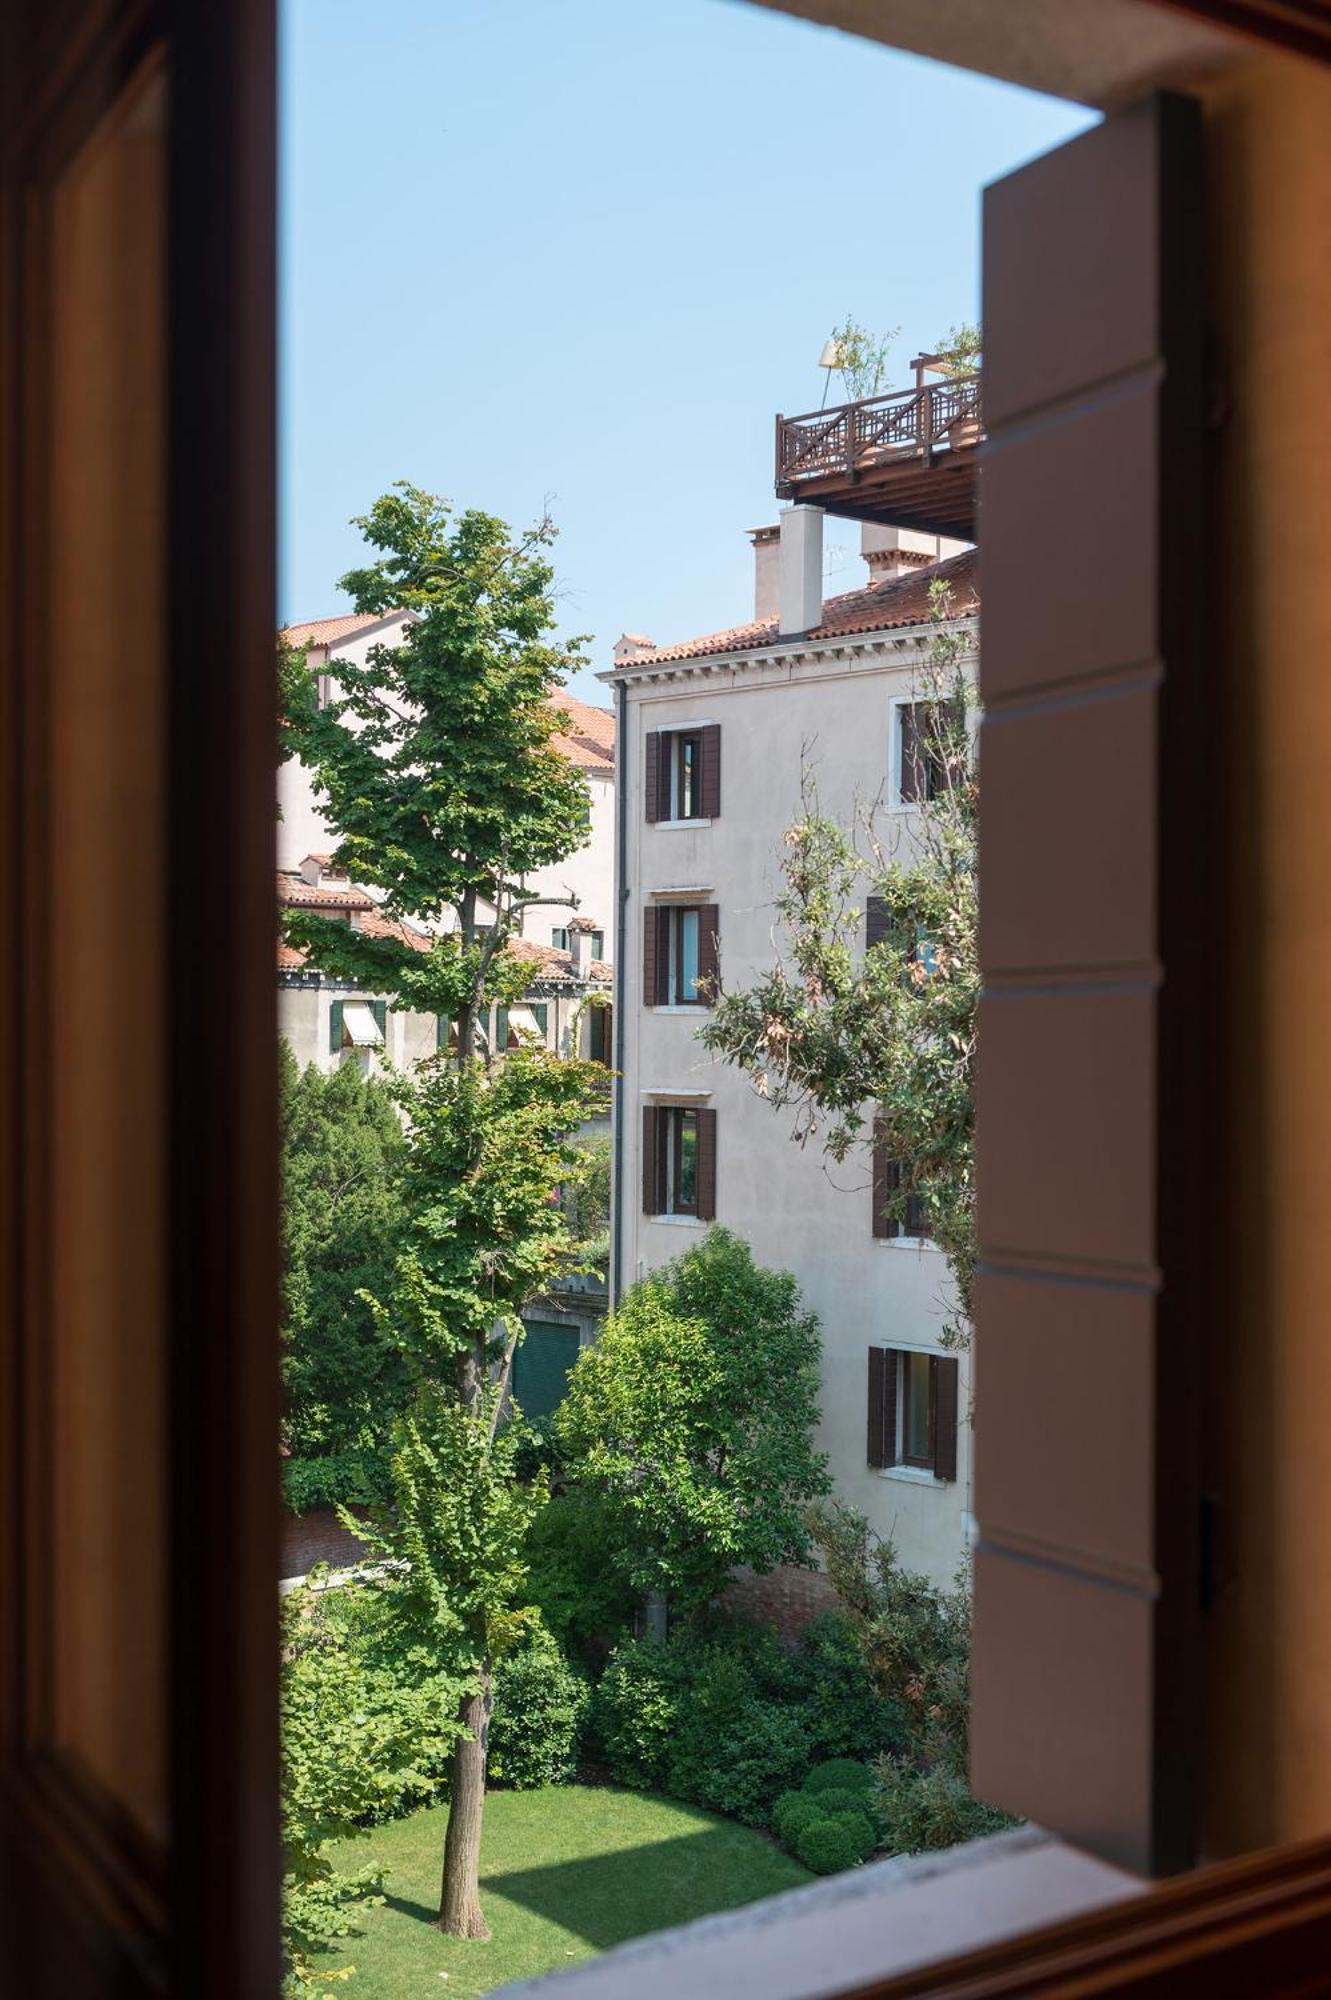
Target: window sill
x: 905, y: 1242
x: 677, y: 1221
x: 913, y: 1475
x: 679, y: 1007
x: 677, y: 825
x: 889, y: 1919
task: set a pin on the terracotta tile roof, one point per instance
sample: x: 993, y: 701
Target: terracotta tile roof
x: 329, y: 631
x: 589, y: 741
x: 554, y: 966
x: 879, y: 607
x: 309, y: 896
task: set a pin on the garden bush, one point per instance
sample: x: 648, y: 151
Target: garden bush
x: 831, y: 1844
x: 571, y: 1576
x: 926, y: 1809
x: 540, y: 1705
x: 844, y: 1711
x: 737, y: 1761
x: 635, y: 1710
x: 841, y: 1774
x: 794, y: 1811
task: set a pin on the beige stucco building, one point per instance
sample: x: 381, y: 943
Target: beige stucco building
x: 713, y: 738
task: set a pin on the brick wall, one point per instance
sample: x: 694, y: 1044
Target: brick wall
x: 787, y: 1598
x: 316, y: 1537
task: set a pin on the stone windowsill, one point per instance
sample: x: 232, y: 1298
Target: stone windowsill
x: 833, y: 1936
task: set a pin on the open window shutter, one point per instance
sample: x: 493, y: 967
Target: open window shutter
x: 882, y: 1440
x: 651, y: 1159
x: 910, y: 749
x: 706, y: 1165
x: 652, y: 955
x: 441, y: 1027
x: 334, y: 1027
x: 877, y: 920
x: 380, y: 1011
x: 651, y: 778
x: 139, y: 1366
x: 1093, y: 942
x: 709, y: 790
x: 884, y: 1180
x: 946, y: 1384
x: 709, y: 951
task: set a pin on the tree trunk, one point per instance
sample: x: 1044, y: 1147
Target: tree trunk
x: 460, y: 1894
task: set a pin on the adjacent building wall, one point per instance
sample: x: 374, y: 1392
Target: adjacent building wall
x: 831, y: 710
x: 589, y: 874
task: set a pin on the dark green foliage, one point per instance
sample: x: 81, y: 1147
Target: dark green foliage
x: 635, y: 1712
x: 840, y: 1774
x: 845, y: 1714
x: 342, y: 1156
x: 834, y: 1799
x: 585, y: 1600
x: 540, y: 1704
x: 693, y: 1416
x: 839, y: 1841
x: 794, y: 1811
x: 920, y: 1810
x: 733, y: 1749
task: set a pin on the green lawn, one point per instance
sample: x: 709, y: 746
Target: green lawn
x: 564, y: 1873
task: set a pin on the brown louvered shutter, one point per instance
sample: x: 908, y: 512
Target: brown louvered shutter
x: 883, y: 1182
x: 882, y: 1439
x: 911, y: 752
x: 946, y: 1385
x: 709, y: 951
x: 709, y: 788
x: 651, y: 779
x: 877, y: 920
x: 706, y: 1166
x: 651, y: 1154
x: 1091, y: 1290
x: 652, y: 914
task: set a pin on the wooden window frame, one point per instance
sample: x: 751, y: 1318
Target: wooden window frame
x: 684, y: 751
x: 909, y: 1358
x: 670, y: 1138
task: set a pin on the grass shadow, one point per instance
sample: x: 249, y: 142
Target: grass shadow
x: 607, y: 1898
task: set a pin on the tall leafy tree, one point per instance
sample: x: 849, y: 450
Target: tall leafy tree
x: 851, y: 1039
x: 442, y: 781
x: 693, y: 1417
x: 343, y: 1151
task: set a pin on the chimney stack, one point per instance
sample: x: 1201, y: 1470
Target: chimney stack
x: 580, y: 945
x: 895, y: 552
x: 766, y: 571
x: 629, y: 644
x: 800, y: 591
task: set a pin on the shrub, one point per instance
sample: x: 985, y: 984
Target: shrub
x: 738, y: 1763
x: 829, y: 1845
x: 841, y: 1774
x: 572, y: 1576
x: 832, y: 1800
x: 540, y: 1704
x: 844, y: 1711
x: 921, y: 1810
x: 635, y: 1710
x: 794, y: 1811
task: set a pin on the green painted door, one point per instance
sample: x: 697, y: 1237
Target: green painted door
x: 541, y: 1365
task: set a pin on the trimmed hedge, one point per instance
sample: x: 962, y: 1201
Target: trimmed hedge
x: 839, y: 1841
x: 841, y: 1774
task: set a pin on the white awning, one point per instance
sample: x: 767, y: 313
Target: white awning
x: 522, y: 1021
x: 359, y: 1026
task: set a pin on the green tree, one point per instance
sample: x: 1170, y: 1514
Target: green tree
x: 692, y: 1415
x: 960, y: 348
x: 342, y: 1155
x: 862, y: 358
x: 439, y: 774
x: 848, y: 1038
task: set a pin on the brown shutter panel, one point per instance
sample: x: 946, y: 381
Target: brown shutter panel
x: 882, y: 1441
x: 651, y: 1200
x: 706, y: 1166
x: 651, y: 954
x: 651, y: 781
x: 912, y: 771
x: 709, y: 748
x: 877, y: 920
x: 882, y: 1182
x: 709, y: 951
x: 1093, y: 948
x: 946, y: 1384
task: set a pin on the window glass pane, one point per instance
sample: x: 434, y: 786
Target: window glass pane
x: 688, y: 955
x: 915, y: 1406
x: 686, y: 1192
x: 688, y: 761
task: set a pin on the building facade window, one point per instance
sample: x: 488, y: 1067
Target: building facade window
x: 913, y: 1403
x: 679, y: 1161
x: 680, y: 954
x: 559, y: 938
x: 919, y: 759
x: 682, y: 778
x: 356, y: 1028
x: 889, y: 1224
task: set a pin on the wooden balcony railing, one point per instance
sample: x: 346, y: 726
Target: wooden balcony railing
x: 856, y: 438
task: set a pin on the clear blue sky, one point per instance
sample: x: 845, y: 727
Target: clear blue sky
x: 579, y: 252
